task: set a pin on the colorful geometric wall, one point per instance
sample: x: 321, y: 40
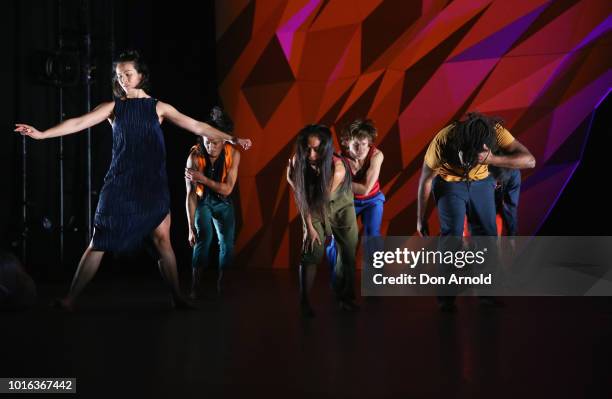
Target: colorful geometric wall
x: 412, y: 67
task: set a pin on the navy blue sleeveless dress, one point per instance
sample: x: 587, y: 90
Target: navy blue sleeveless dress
x: 135, y: 198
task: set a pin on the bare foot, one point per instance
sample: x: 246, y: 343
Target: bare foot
x: 181, y: 303
x: 63, y: 304
x: 306, y: 310
x: 348, y: 306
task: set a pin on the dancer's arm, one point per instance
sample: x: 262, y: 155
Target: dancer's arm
x: 310, y: 233
x: 427, y: 176
x: 223, y: 188
x: 191, y: 203
x: 371, y: 175
x: 69, y: 126
x: 515, y: 156
x: 167, y: 111
x: 339, y: 175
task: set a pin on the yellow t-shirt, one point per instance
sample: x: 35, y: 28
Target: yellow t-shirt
x: 433, y: 156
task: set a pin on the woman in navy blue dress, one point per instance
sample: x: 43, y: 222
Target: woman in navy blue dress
x: 134, y: 201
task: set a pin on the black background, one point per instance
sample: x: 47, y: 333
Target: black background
x: 179, y: 48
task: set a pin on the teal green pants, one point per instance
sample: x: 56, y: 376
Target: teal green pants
x: 214, y: 212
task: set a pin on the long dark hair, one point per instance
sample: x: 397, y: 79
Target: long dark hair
x: 466, y: 140
x: 141, y: 67
x: 218, y: 119
x: 312, y: 189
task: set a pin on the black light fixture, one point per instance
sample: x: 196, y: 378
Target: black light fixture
x: 59, y: 68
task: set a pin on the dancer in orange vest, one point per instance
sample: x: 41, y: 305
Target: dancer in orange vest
x: 212, y: 169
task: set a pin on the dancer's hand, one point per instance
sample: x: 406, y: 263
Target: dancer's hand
x: 484, y: 157
x: 422, y: 228
x: 27, y: 130
x: 194, y: 175
x: 310, y: 237
x: 244, y: 143
x: 192, y: 237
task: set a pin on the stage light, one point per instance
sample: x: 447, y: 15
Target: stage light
x: 47, y: 224
x: 59, y: 68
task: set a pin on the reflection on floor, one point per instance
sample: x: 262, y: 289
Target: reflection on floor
x: 125, y: 340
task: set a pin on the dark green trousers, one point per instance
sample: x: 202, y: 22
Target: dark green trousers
x: 342, y: 223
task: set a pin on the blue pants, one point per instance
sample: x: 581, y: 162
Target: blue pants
x: 371, y: 211
x: 456, y: 200
x: 220, y: 213
x: 507, y: 198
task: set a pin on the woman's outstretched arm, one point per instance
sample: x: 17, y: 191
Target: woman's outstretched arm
x: 167, y: 111
x: 191, y: 202
x: 69, y: 126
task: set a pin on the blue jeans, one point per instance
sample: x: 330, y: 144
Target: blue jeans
x: 220, y: 213
x: 507, y: 198
x: 371, y: 211
x: 456, y: 200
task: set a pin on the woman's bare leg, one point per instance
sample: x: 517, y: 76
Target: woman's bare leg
x: 167, y: 261
x: 88, y: 266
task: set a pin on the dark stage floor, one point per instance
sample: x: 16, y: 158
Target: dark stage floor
x: 125, y: 340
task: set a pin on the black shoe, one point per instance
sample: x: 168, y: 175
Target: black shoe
x: 491, y: 302
x: 220, y: 283
x: 181, y: 303
x: 447, y: 306
x: 306, y: 310
x: 219, y: 289
x: 61, y: 304
x: 348, y: 306
x: 194, y: 294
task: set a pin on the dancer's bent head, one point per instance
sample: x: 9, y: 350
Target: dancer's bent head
x: 313, y: 170
x: 221, y: 121
x: 357, y: 138
x: 129, y: 72
x: 468, y: 138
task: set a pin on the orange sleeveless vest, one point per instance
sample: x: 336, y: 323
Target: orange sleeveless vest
x: 201, y: 162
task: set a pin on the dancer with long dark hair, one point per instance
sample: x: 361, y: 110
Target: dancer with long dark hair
x: 321, y: 183
x: 210, y: 174
x: 134, y: 201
